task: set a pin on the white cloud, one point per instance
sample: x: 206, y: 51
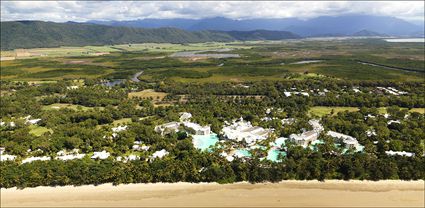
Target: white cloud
x: 61, y: 11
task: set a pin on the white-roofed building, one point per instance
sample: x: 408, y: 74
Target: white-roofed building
x: 167, y: 128
x: 74, y: 87
x: 244, y: 131
x: 159, y: 154
x: 317, y: 127
x: 7, y: 157
x: 69, y: 155
x: 349, y: 141
x: 137, y: 147
x: 287, y: 94
x: 401, y: 153
x: 393, y: 121
x: 119, y: 128
x: 32, y: 159
x: 100, y: 155
x: 198, y: 129
x: 304, y: 138
x: 185, y: 116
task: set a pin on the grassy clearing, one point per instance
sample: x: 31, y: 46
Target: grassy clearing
x: 148, y: 93
x: 39, y: 130
x: 122, y: 121
x: 383, y: 110
x: 57, y: 106
x: 325, y: 110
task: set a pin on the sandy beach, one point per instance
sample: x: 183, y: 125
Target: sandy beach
x: 286, y: 193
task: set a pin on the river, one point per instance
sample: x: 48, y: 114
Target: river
x: 115, y: 82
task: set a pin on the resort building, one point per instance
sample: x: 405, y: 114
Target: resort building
x: 159, y: 154
x: 401, y: 153
x: 100, y: 155
x: 73, y: 87
x: 167, y: 128
x: 305, y: 138
x: 185, y: 116
x: 31, y: 159
x: 7, y: 157
x: 288, y: 94
x: 69, y: 155
x: 197, y: 129
x: 317, y: 127
x: 349, y: 141
x: 391, y: 90
x: 244, y: 131
x: 137, y: 147
x: 119, y: 128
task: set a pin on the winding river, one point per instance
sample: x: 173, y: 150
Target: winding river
x: 115, y: 82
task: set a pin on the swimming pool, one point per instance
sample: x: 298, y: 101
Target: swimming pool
x: 204, y: 142
x: 242, y: 153
x: 273, y: 155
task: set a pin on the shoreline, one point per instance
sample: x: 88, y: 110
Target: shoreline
x: 285, y: 193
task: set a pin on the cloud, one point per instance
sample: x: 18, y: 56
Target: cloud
x: 62, y: 11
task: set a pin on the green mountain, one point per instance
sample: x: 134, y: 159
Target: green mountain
x: 36, y: 34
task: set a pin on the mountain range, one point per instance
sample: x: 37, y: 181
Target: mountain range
x: 320, y: 26
x: 36, y: 34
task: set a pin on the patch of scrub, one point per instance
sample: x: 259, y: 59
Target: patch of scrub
x: 204, y: 142
x: 273, y: 155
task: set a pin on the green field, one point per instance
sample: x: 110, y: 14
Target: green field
x: 57, y: 106
x: 321, y: 111
x: 39, y: 130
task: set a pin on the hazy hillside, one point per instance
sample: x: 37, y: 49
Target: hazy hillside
x: 367, y: 33
x: 33, y: 34
x: 320, y: 26
x: 262, y: 35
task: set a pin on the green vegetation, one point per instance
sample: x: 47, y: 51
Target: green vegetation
x: 49, y: 34
x: 79, y: 111
x: 39, y: 130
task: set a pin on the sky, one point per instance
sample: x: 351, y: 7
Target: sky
x: 81, y: 11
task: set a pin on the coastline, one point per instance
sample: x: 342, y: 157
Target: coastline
x: 292, y: 193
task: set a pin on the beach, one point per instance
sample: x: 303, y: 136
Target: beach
x: 389, y: 193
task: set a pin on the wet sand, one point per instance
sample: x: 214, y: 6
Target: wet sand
x: 287, y: 193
